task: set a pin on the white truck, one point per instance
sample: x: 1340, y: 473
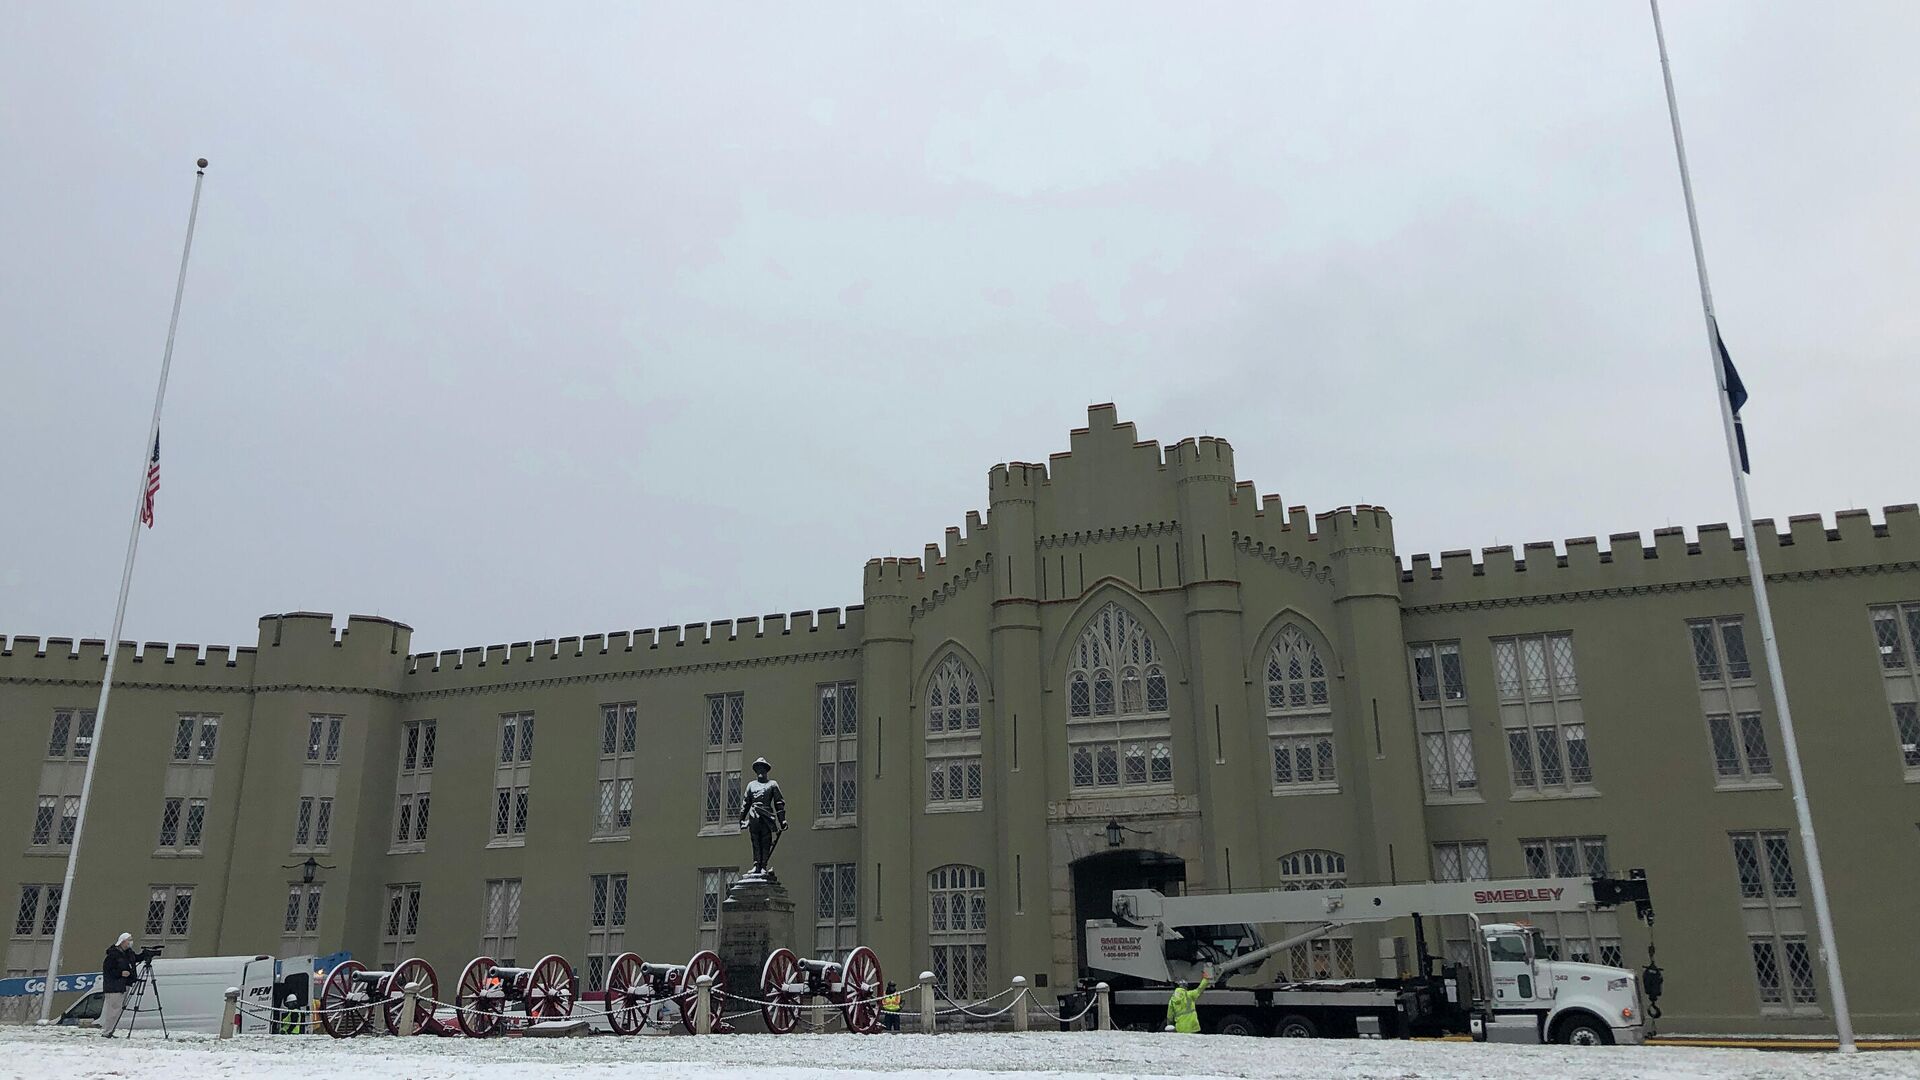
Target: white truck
x: 188, y: 993
x: 1511, y: 991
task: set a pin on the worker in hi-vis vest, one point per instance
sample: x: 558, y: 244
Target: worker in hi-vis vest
x: 890, y: 1008
x: 1183, y: 1008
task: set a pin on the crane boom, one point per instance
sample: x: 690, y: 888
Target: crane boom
x: 1379, y: 903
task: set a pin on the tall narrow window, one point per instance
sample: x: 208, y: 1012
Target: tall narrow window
x: 1541, y: 712
x: 513, y: 779
x: 501, y: 936
x: 1775, y: 923
x: 1440, y: 714
x: 836, y: 909
x: 1105, y: 725
x: 839, y: 755
x: 954, y: 777
x: 1896, y: 637
x: 619, y: 738
x: 726, y: 742
x: 182, y: 821
x: 169, y: 912
x: 71, y: 737
x: 714, y: 883
x: 606, y: 927
x: 1736, y: 734
x: 323, y: 739
x: 400, y: 929
x: 957, y: 930
x: 1329, y: 956
x: 413, y: 791
x: 1299, y: 716
x: 302, y: 929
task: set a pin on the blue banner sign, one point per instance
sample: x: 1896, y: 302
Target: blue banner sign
x: 35, y: 985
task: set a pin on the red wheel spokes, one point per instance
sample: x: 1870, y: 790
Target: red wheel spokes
x: 550, y: 989
x: 337, y: 1015
x: 704, y: 962
x: 411, y: 971
x: 861, y: 981
x: 624, y: 999
x: 780, y: 1008
x: 478, y: 1011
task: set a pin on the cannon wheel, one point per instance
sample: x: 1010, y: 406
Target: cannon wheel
x: 411, y: 971
x: 337, y: 1015
x: 551, y: 989
x: 704, y: 962
x: 625, y: 1014
x: 860, y: 984
x: 477, y: 1015
x: 780, y: 1006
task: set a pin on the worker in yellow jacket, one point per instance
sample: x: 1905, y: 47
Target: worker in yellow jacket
x: 1183, y: 1008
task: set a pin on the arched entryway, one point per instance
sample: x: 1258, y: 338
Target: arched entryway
x: 1095, y: 878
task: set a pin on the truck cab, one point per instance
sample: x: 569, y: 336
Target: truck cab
x: 1559, y: 1000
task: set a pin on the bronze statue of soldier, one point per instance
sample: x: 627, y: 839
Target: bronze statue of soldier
x: 763, y: 814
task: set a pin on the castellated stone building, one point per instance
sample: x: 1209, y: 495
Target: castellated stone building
x: 1260, y: 697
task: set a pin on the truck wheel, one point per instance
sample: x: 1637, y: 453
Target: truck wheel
x: 1582, y: 1031
x: 1295, y: 1026
x: 1235, y: 1024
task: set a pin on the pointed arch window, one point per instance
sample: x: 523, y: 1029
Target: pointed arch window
x: 1329, y: 956
x: 1300, y: 715
x: 954, y: 774
x: 1118, y: 727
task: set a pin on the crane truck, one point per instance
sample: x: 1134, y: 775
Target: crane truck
x: 1511, y: 989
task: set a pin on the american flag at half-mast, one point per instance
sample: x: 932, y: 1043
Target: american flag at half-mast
x: 153, y: 483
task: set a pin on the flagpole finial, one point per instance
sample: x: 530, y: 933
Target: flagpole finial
x: 202, y: 163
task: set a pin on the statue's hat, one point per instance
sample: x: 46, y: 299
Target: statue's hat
x: 763, y: 763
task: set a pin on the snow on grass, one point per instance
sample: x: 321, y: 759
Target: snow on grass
x: 67, y: 1054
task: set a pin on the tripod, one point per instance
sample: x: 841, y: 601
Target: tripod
x: 137, y: 996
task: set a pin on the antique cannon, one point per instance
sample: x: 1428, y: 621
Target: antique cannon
x: 351, y: 994
x: 545, y: 991
x: 786, y: 981
x: 636, y: 990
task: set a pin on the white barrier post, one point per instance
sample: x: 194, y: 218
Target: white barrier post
x: 703, y: 1007
x: 1103, y: 1009
x: 926, y: 1003
x: 409, y: 1006
x: 226, y: 1014
x: 1019, y: 1003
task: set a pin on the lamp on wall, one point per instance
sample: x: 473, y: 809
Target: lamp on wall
x: 307, y: 869
x: 1117, y: 833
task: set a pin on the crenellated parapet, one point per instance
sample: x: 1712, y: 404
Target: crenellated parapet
x: 749, y: 639
x: 1671, y: 558
x: 64, y: 661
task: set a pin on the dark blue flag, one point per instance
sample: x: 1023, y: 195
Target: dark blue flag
x: 1736, y: 396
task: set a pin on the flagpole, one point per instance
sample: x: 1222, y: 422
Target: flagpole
x: 119, y: 611
x: 1816, y: 875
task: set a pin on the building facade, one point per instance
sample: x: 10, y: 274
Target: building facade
x: 1259, y: 698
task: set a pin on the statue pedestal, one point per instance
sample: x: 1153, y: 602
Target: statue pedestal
x: 755, y: 919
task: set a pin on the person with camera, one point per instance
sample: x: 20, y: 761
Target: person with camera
x: 116, y: 975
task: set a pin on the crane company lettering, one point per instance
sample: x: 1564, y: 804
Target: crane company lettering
x: 1513, y: 896
x: 1114, y: 947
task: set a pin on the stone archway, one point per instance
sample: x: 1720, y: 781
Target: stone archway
x: 1095, y: 877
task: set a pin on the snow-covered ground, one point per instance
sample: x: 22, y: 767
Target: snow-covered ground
x: 63, y: 1054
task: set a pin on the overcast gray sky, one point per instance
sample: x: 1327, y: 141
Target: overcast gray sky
x: 524, y: 321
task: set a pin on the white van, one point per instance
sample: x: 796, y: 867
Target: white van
x: 189, y: 992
